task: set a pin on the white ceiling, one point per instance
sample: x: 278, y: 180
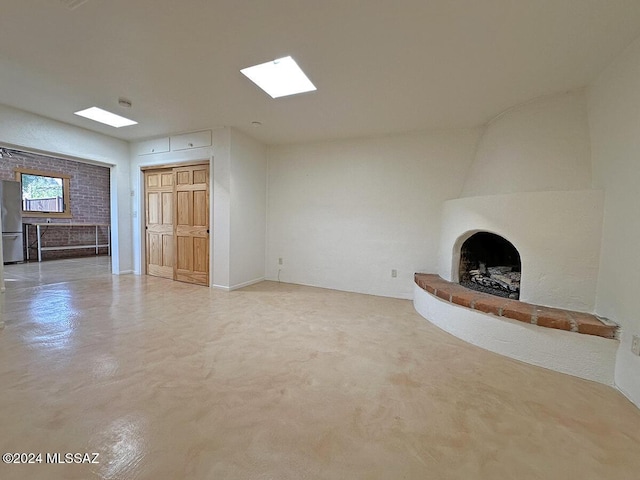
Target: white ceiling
x: 380, y: 66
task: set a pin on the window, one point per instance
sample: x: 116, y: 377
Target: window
x: 44, y: 194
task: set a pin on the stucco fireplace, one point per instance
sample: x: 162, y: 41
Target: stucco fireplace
x: 556, y: 236
x: 529, y: 213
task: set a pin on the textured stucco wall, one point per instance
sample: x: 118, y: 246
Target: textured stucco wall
x: 614, y: 117
x: 540, y: 146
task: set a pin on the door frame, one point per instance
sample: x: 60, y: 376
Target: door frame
x: 140, y: 220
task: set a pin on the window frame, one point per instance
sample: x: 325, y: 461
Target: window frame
x: 66, y: 192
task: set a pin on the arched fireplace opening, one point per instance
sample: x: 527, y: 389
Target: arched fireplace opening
x: 490, y: 264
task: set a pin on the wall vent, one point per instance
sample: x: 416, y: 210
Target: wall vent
x: 73, y: 4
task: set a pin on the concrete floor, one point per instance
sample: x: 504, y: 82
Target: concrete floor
x: 173, y: 381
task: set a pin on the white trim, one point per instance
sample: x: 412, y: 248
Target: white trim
x: 584, y: 356
x: 139, y: 244
x: 240, y: 285
x: 246, y: 284
x: 124, y: 272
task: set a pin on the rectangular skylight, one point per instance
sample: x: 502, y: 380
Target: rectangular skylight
x: 279, y: 78
x: 102, y: 116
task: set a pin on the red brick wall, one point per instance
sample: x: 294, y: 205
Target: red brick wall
x: 89, y: 196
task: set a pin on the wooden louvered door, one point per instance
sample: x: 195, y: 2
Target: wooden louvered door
x: 191, y: 225
x: 159, y: 222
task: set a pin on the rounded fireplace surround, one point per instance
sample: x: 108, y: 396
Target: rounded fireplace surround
x: 557, y: 235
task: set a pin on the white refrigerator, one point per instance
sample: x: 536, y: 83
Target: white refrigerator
x: 11, y: 206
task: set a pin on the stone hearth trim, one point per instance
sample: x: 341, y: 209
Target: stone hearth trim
x: 524, y: 312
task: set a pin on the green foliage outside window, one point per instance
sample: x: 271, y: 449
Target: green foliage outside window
x: 42, y: 193
x: 37, y: 186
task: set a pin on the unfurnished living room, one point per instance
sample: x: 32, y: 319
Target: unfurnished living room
x: 320, y: 240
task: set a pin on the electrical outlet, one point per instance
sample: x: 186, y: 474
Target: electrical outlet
x: 280, y: 261
x: 635, y: 345
x: 394, y: 273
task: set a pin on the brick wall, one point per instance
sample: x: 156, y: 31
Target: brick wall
x: 89, y: 198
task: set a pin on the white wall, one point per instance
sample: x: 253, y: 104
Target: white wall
x: 31, y: 132
x: 343, y: 214
x: 248, y: 187
x: 556, y: 233
x: 221, y: 210
x: 614, y: 116
x: 540, y: 146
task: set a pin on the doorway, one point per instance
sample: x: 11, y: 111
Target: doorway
x: 177, y: 222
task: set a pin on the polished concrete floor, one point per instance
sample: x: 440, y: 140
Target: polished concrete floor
x: 172, y: 381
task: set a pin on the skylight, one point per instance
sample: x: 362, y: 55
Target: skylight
x: 279, y: 78
x: 102, y: 116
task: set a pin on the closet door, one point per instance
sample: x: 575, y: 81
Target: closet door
x: 191, y: 229
x: 159, y: 227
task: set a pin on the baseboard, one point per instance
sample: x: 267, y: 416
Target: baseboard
x: 246, y: 284
x: 124, y: 272
x: 239, y: 285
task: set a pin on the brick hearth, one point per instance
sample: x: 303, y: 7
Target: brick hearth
x: 523, y: 312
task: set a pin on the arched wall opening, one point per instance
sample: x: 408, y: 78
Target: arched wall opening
x: 491, y: 264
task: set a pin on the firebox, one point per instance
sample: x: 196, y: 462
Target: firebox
x: 491, y: 264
